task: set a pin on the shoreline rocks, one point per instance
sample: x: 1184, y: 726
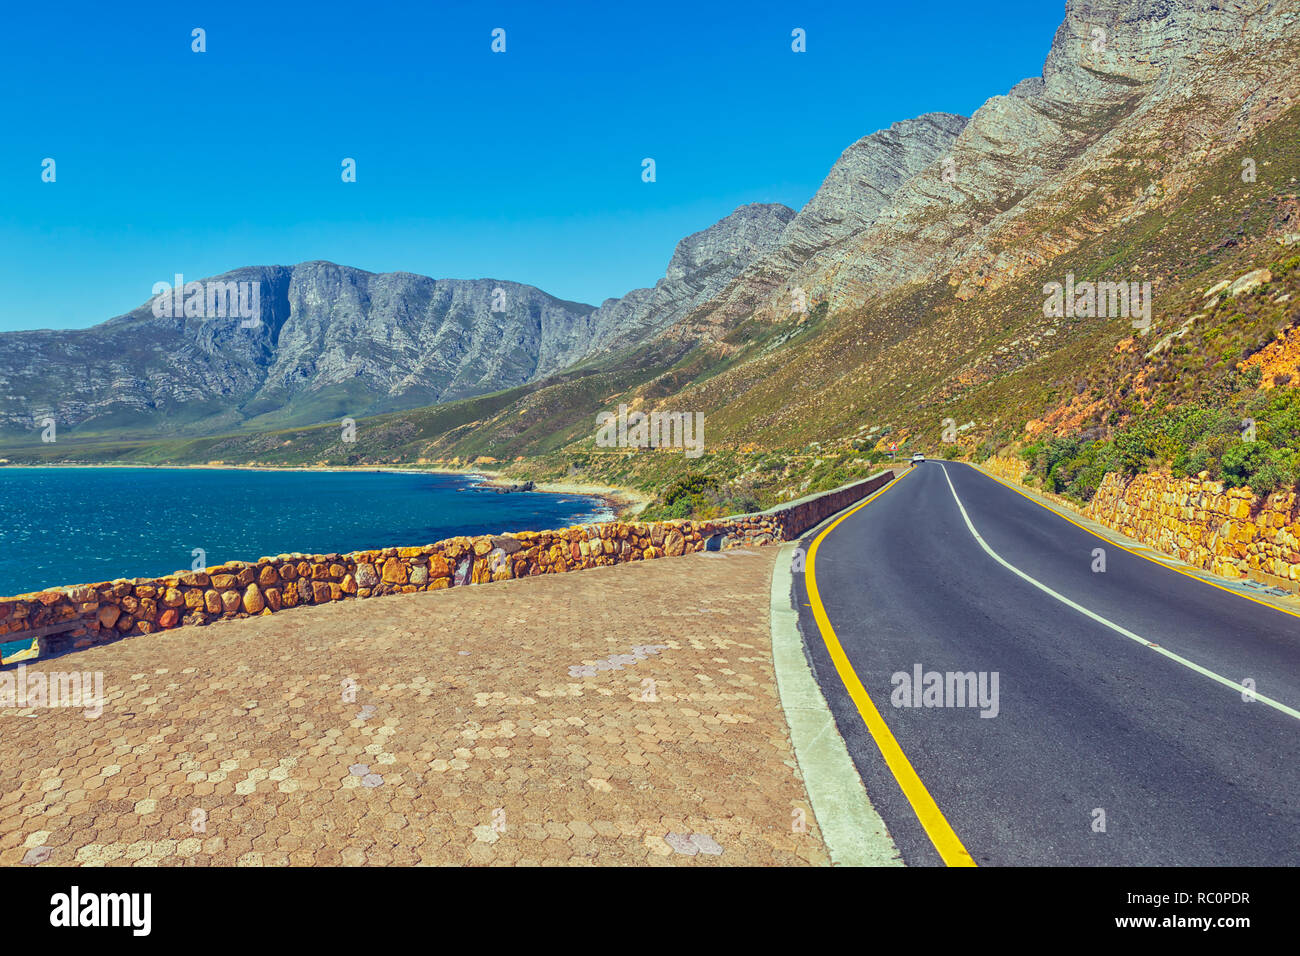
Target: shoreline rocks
x: 508, y: 489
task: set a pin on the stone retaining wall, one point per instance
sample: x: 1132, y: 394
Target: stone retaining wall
x: 1226, y: 531
x: 113, y: 609
x: 1008, y: 469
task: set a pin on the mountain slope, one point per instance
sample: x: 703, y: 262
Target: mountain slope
x: 1168, y: 153
x: 333, y: 341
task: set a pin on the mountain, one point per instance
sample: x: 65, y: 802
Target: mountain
x: 856, y: 192
x: 1131, y: 89
x: 1160, y: 145
x: 331, y: 341
x: 702, y: 265
x: 1146, y: 112
x: 328, y: 341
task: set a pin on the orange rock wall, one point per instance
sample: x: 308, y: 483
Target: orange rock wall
x: 1227, y: 531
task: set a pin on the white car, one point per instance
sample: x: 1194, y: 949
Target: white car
x: 918, y: 458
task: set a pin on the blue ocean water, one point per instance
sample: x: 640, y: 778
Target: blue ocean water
x: 61, y: 526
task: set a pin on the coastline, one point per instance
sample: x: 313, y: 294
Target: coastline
x: 625, y: 503
x: 622, y: 503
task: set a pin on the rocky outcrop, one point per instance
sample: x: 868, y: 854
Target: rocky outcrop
x: 856, y: 192
x: 864, y: 180
x: 103, y: 612
x: 329, y: 341
x: 701, y: 267
x: 1279, y: 361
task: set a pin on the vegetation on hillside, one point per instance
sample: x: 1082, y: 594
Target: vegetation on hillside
x: 1240, y: 435
x: 803, y: 403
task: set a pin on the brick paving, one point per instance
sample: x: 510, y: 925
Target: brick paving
x: 622, y: 715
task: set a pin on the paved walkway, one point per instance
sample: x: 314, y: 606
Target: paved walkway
x: 623, y: 715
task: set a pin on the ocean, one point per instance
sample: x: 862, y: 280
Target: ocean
x: 62, y: 526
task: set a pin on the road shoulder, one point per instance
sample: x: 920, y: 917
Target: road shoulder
x: 854, y: 833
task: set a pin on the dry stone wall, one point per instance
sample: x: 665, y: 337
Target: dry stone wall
x: 1009, y: 469
x: 1227, y: 531
x: 103, y: 612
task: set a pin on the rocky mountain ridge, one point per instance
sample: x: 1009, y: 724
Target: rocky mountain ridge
x: 1135, y: 96
x: 702, y: 266
x: 328, y: 340
x: 332, y: 341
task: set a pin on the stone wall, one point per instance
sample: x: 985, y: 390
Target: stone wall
x: 1227, y: 531
x: 1008, y: 469
x: 110, y: 610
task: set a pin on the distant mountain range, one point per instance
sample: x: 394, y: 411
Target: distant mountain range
x: 1160, y: 144
x: 334, y: 341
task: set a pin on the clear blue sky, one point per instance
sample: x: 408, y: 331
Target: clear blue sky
x: 524, y: 165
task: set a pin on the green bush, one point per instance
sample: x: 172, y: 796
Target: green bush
x: 688, y: 486
x: 1255, y: 464
x: 1190, y: 438
x: 702, y: 496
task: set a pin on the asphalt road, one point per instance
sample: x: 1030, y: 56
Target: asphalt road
x: 1092, y: 729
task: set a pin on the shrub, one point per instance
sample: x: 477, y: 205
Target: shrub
x: 1258, y: 466
x: 1188, y: 439
x: 688, y: 486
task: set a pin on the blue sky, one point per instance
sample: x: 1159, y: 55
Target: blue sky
x: 523, y: 166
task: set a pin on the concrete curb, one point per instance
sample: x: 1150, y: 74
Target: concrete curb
x: 853, y: 831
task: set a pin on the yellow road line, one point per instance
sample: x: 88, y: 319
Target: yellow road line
x: 1166, y: 563
x: 927, y: 811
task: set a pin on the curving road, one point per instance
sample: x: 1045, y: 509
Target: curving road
x: 1103, y: 750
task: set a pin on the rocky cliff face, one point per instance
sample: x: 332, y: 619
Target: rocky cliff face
x: 858, y: 189
x: 702, y: 265
x: 409, y: 337
x: 1134, y: 96
x: 329, y: 340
